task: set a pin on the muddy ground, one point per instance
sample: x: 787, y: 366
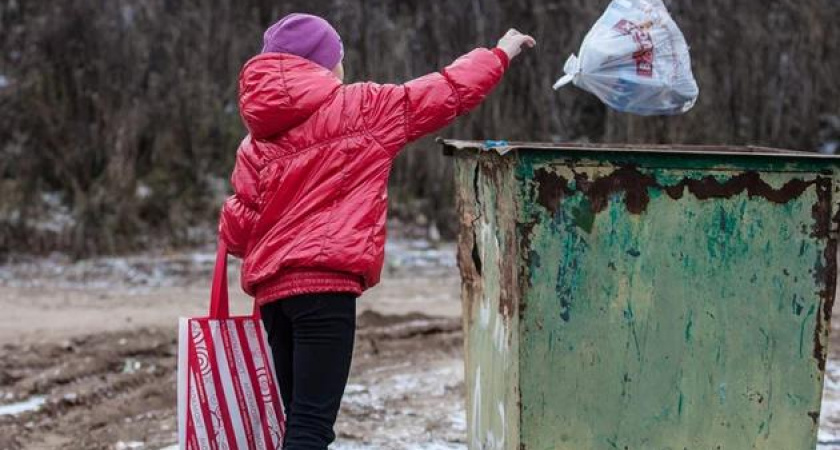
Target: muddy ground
x: 117, y: 389
x: 87, y: 353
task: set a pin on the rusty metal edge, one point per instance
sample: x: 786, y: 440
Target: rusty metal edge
x: 451, y: 145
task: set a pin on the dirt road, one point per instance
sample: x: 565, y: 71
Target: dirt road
x: 87, y: 353
x: 116, y: 389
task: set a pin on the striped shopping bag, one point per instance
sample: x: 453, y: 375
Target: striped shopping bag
x: 227, y: 387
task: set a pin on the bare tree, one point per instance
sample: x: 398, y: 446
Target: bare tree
x: 120, y: 116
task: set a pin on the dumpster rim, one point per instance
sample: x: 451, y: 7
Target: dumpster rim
x: 659, y: 149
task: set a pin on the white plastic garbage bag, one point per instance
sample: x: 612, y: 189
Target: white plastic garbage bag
x: 636, y: 60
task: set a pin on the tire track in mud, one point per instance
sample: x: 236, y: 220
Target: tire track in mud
x: 96, y: 389
x: 117, y: 390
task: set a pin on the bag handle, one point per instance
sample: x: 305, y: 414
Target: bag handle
x: 219, y: 300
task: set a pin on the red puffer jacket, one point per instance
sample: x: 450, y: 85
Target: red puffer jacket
x: 310, y: 182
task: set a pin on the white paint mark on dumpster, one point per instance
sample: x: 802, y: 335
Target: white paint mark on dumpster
x: 476, y: 408
x: 499, y: 336
x: 488, y: 236
x: 504, y: 430
x: 484, y: 313
x: 829, y: 435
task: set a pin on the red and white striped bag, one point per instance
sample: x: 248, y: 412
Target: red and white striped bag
x: 227, y: 387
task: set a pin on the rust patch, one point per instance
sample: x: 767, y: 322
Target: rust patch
x: 749, y: 182
x: 629, y: 180
x: 826, y: 275
x: 825, y: 272
x: 476, y: 205
x: 821, y: 211
x: 466, y: 202
x: 551, y: 188
x: 505, y: 213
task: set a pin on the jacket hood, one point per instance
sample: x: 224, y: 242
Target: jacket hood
x: 278, y: 92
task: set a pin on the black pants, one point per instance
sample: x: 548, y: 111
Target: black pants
x: 311, y: 338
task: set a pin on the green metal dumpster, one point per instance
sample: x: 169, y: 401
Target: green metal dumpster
x: 645, y: 298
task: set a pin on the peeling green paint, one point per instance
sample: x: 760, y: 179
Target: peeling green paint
x: 644, y: 300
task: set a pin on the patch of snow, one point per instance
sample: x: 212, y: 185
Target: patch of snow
x: 143, y: 191
x: 828, y: 445
x: 31, y: 404
x: 57, y: 216
x: 131, y: 365
x: 419, y: 254
x: 128, y: 445
x: 434, y: 233
x: 458, y: 419
x: 830, y: 147
x: 408, y: 428
x: 136, y: 273
x: 140, y: 272
x: 829, y: 434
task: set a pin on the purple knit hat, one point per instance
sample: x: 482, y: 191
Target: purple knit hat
x: 307, y: 36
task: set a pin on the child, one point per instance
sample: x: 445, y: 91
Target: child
x: 310, y: 182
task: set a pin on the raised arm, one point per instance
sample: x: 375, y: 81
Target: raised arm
x: 398, y: 114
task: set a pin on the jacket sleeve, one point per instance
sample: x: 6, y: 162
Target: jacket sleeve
x: 399, y: 114
x: 239, y: 212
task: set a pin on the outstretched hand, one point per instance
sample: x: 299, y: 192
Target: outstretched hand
x: 513, y: 42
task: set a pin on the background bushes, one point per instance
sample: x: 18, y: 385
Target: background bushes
x: 118, y: 120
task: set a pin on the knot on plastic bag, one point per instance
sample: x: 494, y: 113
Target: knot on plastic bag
x: 573, y: 71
